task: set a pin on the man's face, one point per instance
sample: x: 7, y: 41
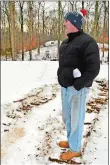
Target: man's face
x: 69, y: 27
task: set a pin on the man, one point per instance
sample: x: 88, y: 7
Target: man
x: 79, y: 64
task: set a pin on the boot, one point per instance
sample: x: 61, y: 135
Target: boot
x: 63, y: 144
x: 69, y: 155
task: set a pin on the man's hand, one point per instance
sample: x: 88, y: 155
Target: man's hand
x: 76, y: 73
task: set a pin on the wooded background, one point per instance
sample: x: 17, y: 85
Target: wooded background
x: 25, y: 25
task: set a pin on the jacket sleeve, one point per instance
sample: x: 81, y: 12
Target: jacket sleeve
x: 91, y: 65
x: 68, y: 73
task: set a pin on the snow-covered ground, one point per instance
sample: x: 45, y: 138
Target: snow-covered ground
x: 32, y: 124
x: 96, y: 152
x: 18, y: 78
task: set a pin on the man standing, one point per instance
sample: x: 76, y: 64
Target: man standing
x: 79, y: 64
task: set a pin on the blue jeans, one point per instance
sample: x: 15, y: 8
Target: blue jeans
x: 73, y: 108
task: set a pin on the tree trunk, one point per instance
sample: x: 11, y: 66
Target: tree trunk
x: 71, y: 5
x: 38, y: 30
x: 59, y: 21
x: 82, y: 4
x: 30, y: 28
x: 9, y: 28
x: 104, y: 21
x: 43, y: 22
x: 95, y: 28
x: 62, y: 25
x: 12, y: 28
x: 75, y: 6
x: 4, y: 34
x: 87, y: 20
x: 10, y: 38
x: 22, y: 30
x: 84, y: 25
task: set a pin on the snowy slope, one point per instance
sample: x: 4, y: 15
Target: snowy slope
x: 18, y: 78
x: 96, y: 152
x: 31, y: 138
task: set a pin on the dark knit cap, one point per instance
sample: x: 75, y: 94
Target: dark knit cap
x: 77, y: 19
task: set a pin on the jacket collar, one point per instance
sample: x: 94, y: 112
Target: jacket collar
x: 71, y: 36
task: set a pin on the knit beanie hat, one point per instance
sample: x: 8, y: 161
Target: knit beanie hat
x: 76, y: 18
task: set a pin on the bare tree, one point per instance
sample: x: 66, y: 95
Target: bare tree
x: 12, y: 27
x: 104, y: 23
x: 22, y: 29
x: 43, y: 18
x: 3, y: 22
x: 84, y: 25
x: 62, y: 18
x: 75, y: 6
x: 59, y: 20
x: 71, y: 5
x: 30, y: 6
x: 82, y: 4
x: 5, y: 9
x: 38, y: 28
x: 96, y: 19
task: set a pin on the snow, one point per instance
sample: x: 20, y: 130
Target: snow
x: 51, y: 43
x: 97, y: 147
x: 105, y: 58
x: 18, y: 78
x: 34, y: 135
x: 103, y: 74
x: 101, y: 45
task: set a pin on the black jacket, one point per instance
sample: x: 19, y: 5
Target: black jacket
x: 78, y: 51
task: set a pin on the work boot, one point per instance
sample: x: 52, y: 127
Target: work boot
x: 63, y: 144
x: 69, y: 155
